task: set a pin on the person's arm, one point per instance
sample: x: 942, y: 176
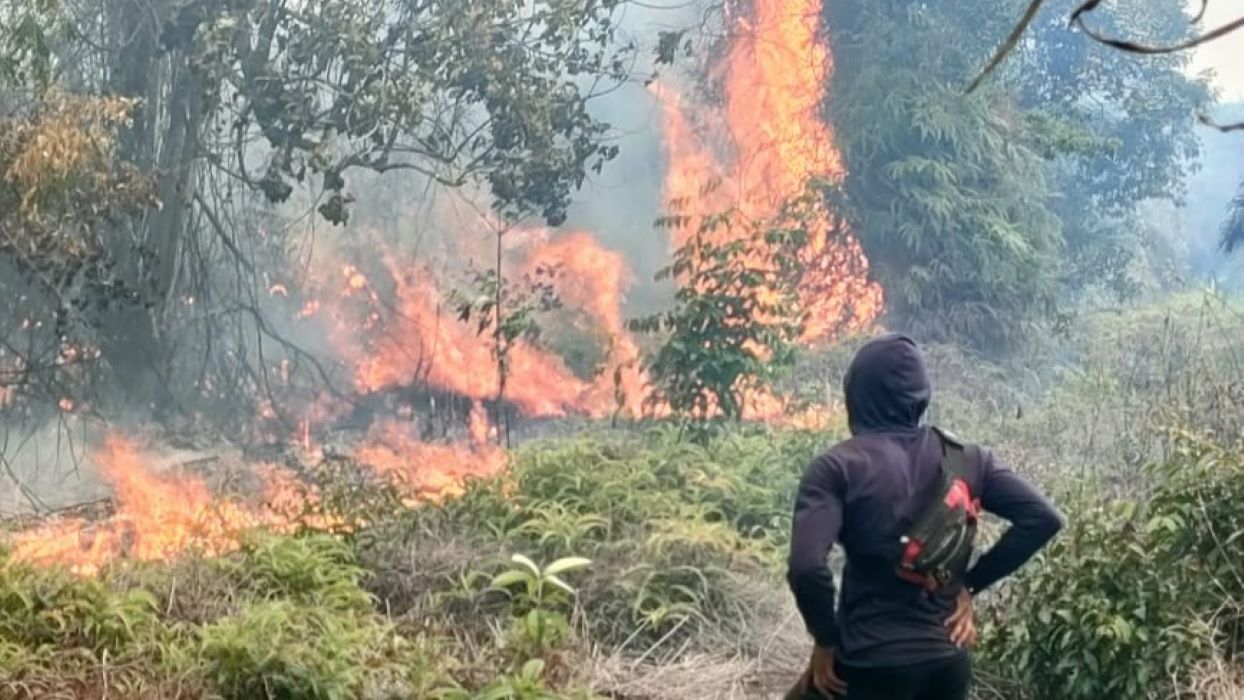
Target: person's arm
x: 818, y: 520
x: 1034, y: 522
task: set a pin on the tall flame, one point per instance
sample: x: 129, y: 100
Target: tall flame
x: 765, y: 147
x: 423, y: 341
x: 752, y: 155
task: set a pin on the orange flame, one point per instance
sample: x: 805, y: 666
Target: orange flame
x: 593, y: 279
x: 161, y: 515
x: 423, y: 341
x: 430, y: 471
x: 157, y: 517
x: 774, y: 74
x: 754, y: 155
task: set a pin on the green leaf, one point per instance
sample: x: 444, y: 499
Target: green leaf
x: 511, y: 578
x: 567, y: 564
x: 556, y: 581
x: 527, y: 563
x: 533, y: 670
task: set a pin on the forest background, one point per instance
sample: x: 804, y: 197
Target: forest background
x: 341, y: 356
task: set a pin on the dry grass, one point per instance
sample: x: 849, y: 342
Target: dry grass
x: 1216, y: 681
x: 767, y: 672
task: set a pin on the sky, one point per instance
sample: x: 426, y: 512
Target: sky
x: 1225, y: 56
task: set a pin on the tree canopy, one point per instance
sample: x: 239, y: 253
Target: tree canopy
x: 233, y: 106
x: 990, y: 214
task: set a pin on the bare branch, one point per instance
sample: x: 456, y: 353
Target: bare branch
x: 1009, y: 45
x: 1077, y: 18
x: 1209, y: 121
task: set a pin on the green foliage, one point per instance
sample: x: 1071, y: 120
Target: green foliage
x: 489, y: 97
x: 58, y: 633
x: 1143, y: 109
x: 527, y: 684
x: 1135, y: 594
x: 280, y: 649
x: 291, y: 621
x: 736, y: 315
x: 341, y: 496
x: 687, y: 543
x: 315, y: 570
x: 538, y: 593
x: 950, y: 204
x: 45, y: 610
x: 508, y: 311
x: 668, y: 524
x: 1197, y: 525
x: 986, y: 216
x: 373, y: 77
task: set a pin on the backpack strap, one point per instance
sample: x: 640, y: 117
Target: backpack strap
x: 954, y: 455
x: 955, y: 468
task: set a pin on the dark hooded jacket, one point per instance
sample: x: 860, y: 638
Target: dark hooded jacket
x: 865, y: 491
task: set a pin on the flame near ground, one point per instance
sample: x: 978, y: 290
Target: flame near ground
x: 761, y: 147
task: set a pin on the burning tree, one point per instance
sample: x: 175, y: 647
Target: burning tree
x: 244, y: 110
x: 735, y: 321
x: 236, y: 106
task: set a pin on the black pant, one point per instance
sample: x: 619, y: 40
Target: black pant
x: 947, y: 679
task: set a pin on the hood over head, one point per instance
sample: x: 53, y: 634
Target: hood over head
x: 886, y: 386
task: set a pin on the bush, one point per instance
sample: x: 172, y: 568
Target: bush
x: 41, y: 609
x: 63, y: 636
x: 282, y: 650
x: 682, y: 536
x: 1135, y: 594
x: 315, y: 570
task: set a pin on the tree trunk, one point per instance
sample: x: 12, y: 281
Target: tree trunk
x: 163, y: 139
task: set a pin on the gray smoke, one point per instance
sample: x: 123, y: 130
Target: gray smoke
x: 621, y: 204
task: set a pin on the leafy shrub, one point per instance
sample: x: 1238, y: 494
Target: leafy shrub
x: 282, y: 650
x: 294, y: 623
x: 538, y: 593
x: 50, y: 608
x: 1134, y: 594
x: 306, y: 629
x: 317, y: 570
x: 1198, y: 528
x: 748, y: 290
x: 63, y: 636
x: 670, y: 525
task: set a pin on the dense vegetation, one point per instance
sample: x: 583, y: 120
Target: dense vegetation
x: 989, y: 217
x: 151, y: 159
x: 633, y: 564
x: 205, y: 118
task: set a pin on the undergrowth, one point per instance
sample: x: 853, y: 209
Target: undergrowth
x: 637, y: 549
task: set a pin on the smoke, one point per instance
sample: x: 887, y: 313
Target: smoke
x: 48, y: 468
x: 1210, y: 191
x: 448, y: 230
x: 361, y: 321
x: 621, y: 204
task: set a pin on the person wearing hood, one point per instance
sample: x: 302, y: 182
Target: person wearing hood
x: 890, y: 638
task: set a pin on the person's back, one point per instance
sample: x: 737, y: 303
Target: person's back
x: 891, y: 637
